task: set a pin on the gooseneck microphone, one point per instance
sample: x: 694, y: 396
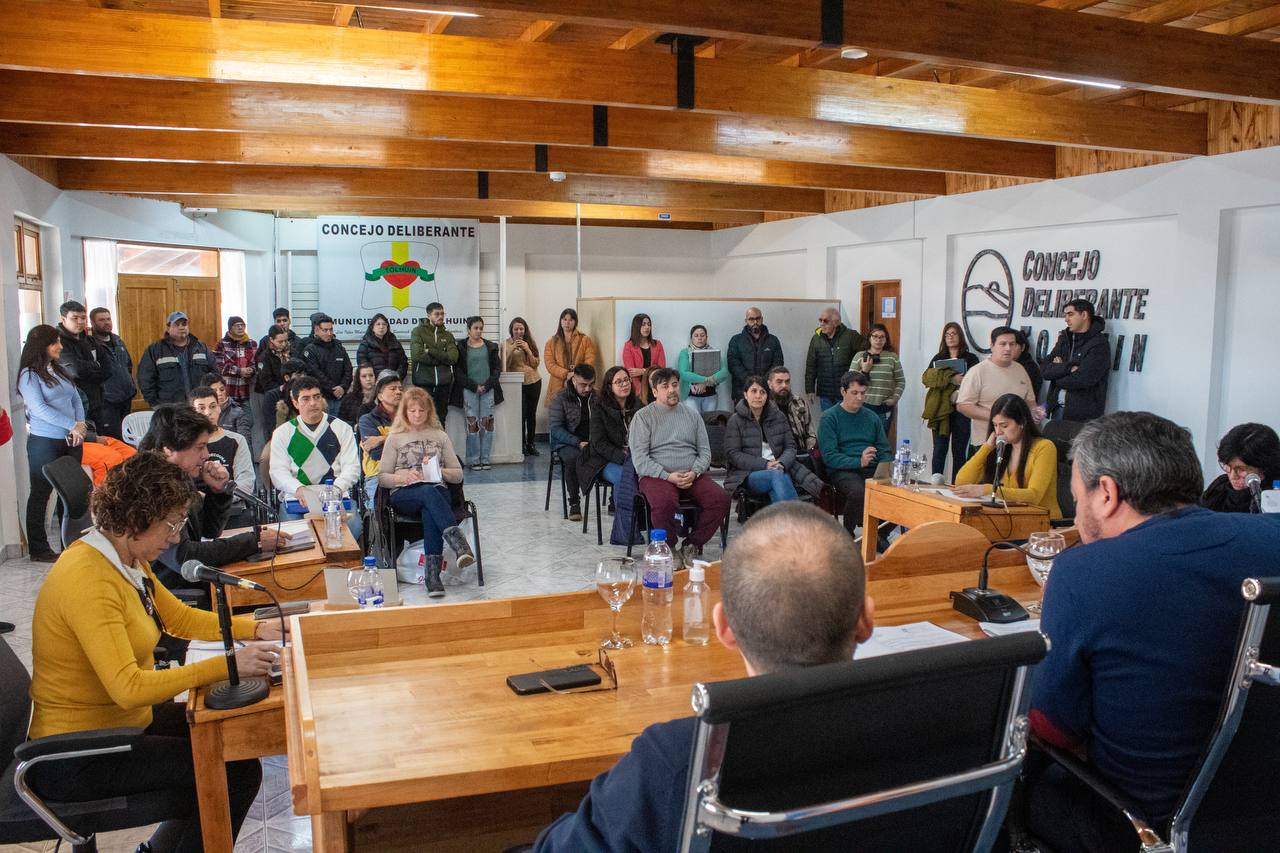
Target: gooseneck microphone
x: 234, y: 692
x: 233, y: 488
x: 1254, y: 483
x: 194, y: 571
x: 1001, y: 445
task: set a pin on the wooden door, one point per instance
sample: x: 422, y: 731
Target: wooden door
x: 144, y: 302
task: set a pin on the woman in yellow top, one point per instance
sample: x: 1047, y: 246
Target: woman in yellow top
x: 97, y: 619
x: 565, y: 350
x: 1029, y: 470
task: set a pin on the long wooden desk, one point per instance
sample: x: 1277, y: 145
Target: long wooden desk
x: 385, y: 708
x: 885, y: 502
x: 294, y: 577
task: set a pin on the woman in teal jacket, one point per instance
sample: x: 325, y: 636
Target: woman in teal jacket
x: 699, y: 392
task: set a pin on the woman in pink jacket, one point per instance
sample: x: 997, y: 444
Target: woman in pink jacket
x: 642, y: 353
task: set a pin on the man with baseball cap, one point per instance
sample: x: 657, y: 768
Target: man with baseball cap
x: 174, y: 365
x: 327, y: 360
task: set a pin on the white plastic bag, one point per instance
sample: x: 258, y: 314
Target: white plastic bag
x: 411, y: 565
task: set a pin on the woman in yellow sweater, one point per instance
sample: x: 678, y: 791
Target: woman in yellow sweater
x: 1029, y: 470
x: 97, y: 619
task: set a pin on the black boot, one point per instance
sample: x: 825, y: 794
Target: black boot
x: 457, y: 540
x: 435, y: 587
x: 532, y: 450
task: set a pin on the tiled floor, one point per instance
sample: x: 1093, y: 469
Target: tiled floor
x: 526, y: 552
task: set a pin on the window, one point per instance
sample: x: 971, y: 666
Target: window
x: 137, y: 259
x: 26, y: 240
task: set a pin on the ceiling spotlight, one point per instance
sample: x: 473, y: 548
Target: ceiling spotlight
x: 557, y: 177
x: 853, y: 53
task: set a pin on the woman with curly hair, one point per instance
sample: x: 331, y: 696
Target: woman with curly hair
x: 97, y: 619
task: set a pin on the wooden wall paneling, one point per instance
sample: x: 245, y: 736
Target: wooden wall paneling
x: 41, y: 167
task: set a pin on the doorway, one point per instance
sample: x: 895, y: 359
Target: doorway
x: 881, y: 302
x: 144, y: 302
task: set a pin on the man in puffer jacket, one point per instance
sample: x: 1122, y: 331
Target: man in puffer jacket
x: 172, y: 366
x: 831, y: 350
x: 1079, y: 366
x: 327, y: 361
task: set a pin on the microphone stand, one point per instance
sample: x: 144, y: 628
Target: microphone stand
x: 988, y: 605
x: 234, y: 692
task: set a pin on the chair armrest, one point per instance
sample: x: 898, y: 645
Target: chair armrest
x: 1104, y: 789
x: 53, y: 745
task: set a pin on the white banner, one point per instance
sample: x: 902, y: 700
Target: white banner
x: 397, y: 267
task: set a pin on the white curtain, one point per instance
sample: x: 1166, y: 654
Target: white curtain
x: 231, y: 271
x: 100, y: 265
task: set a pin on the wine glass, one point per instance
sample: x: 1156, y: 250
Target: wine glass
x: 918, y: 465
x: 357, y: 587
x: 1042, y: 547
x: 615, y: 581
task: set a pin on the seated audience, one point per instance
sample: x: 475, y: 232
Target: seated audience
x: 611, y: 413
x: 102, y: 453
x: 376, y: 423
x: 762, y: 451
x: 277, y: 405
x: 173, y: 365
x: 796, y: 408
x: 232, y: 416
x: 671, y: 454
x: 852, y: 442
x: 235, y: 357
x: 359, y: 397
x: 1143, y: 620
x: 813, y: 613
x: 415, y: 439
x: 381, y: 349
x: 97, y: 618
x: 881, y: 365
x: 1245, y: 449
x: 642, y: 352
x: 569, y: 428
x: 699, y: 392
x: 312, y: 449
x: 989, y: 380
x: 1029, y: 470
x: 231, y: 450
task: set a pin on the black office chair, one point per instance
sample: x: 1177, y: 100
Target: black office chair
x: 553, y: 461
x: 908, y: 752
x: 389, y: 523
x: 1062, y: 434
x: 72, y: 486
x: 602, y: 492
x: 27, y: 816
x: 717, y: 423
x: 1230, y: 804
x: 687, y: 509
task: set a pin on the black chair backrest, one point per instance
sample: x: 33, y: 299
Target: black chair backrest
x: 72, y: 486
x: 15, y: 704
x: 1062, y: 433
x: 1238, y: 808
x: 716, y: 423
x: 823, y: 734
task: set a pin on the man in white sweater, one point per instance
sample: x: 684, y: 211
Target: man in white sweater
x: 671, y: 454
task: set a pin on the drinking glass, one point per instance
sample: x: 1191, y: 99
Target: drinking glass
x: 357, y: 586
x: 615, y: 581
x: 918, y: 466
x: 1042, y: 547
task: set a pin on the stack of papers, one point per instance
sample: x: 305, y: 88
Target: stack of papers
x: 904, y: 638
x: 994, y: 629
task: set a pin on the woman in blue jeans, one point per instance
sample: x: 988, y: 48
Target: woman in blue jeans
x: 479, y: 368
x: 417, y: 461
x: 761, y: 449
x: 55, y: 425
x: 610, y: 426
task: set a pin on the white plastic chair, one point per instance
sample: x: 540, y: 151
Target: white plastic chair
x: 135, y: 426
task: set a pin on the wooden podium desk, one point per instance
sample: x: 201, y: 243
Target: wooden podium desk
x: 298, y: 576
x: 409, y: 705
x: 885, y: 502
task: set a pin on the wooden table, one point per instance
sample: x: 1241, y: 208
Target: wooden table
x: 410, y: 705
x: 885, y: 502
x: 298, y: 576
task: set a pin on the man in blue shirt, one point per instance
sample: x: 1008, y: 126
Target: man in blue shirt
x: 638, y: 805
x: 1143, y: 620
x: 852, y: 441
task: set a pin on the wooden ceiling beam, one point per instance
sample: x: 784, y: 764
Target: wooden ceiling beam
x: 539, y: 31
x: 992, y: 34
x: 200, y: 179
x: 633, y: 38
x: 437, y: 24
x: 112, y: 42
x: 215, y: 8
x: 342, y: 14
x: 1173, y: 10
x: 322, y: 110
x: 273, y: 149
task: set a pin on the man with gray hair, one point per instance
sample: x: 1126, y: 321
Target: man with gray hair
x: 811, y: 613
x: 1142, y: 619
x: 831, y: 351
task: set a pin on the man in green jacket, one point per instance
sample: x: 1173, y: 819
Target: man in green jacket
x: 831, y: 351
x: 433, y: 353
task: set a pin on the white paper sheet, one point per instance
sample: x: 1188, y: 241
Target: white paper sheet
x: 904, y: 638
x: 994, y: 629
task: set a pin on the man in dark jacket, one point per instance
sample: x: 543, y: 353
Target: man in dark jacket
x: 80, y: 358
x: 753, y: 351
x: 569, y: 428
x: 118, y: 391
x: 280, y: 317
x: 327, y: 360
x: 831, y: 352
x: 433, y: 353
x: 638, y: 804
x: 1079, y: 366
x: 172, y: 366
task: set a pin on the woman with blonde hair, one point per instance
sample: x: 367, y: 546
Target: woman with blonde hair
x: 418, y: 459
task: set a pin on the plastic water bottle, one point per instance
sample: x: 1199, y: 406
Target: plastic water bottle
x: 655, y: 625
x: 1269, y: 501
x: 902, y: 464
x: 372, y: 583
x: 697, y: 606
x: 332, y: 507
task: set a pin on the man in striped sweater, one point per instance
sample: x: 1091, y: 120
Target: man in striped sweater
x: 671, y: 454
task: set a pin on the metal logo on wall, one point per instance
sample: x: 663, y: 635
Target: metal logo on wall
x: 987, y: 300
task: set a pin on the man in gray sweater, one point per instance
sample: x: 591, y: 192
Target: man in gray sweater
x: 671, y: 453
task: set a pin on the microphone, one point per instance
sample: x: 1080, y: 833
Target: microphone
x: 1001, y: 444
x: 1254, y: 482
x: 232, y: 488
x: 195, y: 571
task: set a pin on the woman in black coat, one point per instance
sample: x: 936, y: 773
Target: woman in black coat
x: 611, y: 413
x: 380, y: 349
x: 756, y: 424
x: 1247, y: 449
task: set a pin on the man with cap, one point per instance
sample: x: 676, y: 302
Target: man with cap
x: 327, y: 360
x: 374, y: 426
x: 174, y: 365
x: 234, y: 357
x: 280, y: 317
